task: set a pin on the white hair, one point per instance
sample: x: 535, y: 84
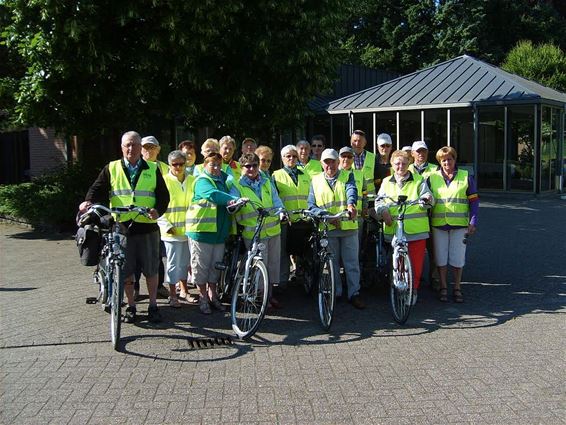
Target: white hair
x: 287, y: 149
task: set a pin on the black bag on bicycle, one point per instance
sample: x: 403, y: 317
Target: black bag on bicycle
x: 298, y: 235
x: 89, y: 242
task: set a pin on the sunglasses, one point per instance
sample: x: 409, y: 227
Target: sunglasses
x: 316, y: 146
x: 178, y: 164
x: 250, y: 166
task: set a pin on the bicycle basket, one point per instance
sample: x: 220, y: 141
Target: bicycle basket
x: 89, y: 241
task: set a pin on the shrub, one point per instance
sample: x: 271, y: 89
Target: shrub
x: 48, y: 200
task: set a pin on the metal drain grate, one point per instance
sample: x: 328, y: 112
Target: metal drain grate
x: 198, y: 343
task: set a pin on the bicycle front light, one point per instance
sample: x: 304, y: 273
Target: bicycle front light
x: 323, y: 243
x: 261, y: 246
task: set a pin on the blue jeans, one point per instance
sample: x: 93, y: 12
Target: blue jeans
x: 344, y: 245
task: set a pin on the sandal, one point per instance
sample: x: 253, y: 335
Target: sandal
x: 458, y: 297
x: 443, y: 295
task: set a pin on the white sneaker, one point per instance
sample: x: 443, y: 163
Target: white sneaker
x: 174, y: 302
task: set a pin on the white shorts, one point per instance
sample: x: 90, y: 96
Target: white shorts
x: 449, y: 247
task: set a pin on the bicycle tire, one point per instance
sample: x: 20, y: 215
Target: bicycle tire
x: 116, y: 306
x: 326, y: 292
x: 228, y: 275
x: 249, y: 301
x: 401, y: 289
x: 100, y: 278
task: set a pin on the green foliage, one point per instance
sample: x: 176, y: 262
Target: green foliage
x: 95, y: 66
x: 51, y: 199
x: 407, y: 35
x: 545, y: 64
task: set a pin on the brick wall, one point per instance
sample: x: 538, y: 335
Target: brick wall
x: 45, y: 150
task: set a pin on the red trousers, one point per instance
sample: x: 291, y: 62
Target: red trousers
x: 416, y: 255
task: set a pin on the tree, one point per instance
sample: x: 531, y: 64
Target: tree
x: 92, y: 67
x: 395, y: 35
x: 545, y: 64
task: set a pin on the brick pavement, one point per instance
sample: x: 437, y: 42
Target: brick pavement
x: 498, y: 358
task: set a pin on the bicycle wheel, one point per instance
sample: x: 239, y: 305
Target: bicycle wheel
x: 228, y: 274
x: 326, y: 293
x: 116, y: 306
x: 101, y: 280
x: 401, y: 289
x: 249, y: 300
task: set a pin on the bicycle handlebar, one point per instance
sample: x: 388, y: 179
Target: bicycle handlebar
x: 325, y: 216
x: 98, y: 208
x: 401, y: 200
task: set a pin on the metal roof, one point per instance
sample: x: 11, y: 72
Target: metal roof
x: 462, y: 81
x: 350, y: 79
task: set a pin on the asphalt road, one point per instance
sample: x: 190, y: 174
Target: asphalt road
x: 498, y: 358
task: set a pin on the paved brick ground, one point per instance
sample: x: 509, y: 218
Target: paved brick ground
x: 498, y: 358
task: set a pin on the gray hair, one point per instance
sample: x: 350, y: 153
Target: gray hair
x: 287, y: 149
x: 131, y: 135
x: 302, y: 142
x: 173, y: 155
x: 227, y: 139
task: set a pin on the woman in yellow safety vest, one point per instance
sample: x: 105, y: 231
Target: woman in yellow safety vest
x: 172, y: 226
x: 262, y: 193
x: 417, y: 228
x: 454, y: 218
x: 207, y: 227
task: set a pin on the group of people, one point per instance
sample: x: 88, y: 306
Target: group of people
x: 188, y: 215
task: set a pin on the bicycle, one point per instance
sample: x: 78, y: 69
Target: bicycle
x: 319, y: 264
x: 108, y: 274
x: 401, y: 286
x: 375, y: 252
x: 251, y: 284
x: 233, y: 254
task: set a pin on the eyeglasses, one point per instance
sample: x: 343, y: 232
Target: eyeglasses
x: 178, y: 164
x: 291, y: 156
x: 250, y: 166
x: 213, y: 165
x: 347, y: 156
x: 264, y: 160
x: 316, y: 146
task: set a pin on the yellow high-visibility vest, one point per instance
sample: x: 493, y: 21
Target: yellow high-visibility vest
x: 333, y: 201
x: 247, y: 216
x: 201, y: 215
x: 294, y: 196
x: 416, y: 218
x: 123, y: 195
x: 179, y: 201
x: 452, y: 206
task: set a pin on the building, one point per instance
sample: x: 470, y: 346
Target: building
x: 507, y: 130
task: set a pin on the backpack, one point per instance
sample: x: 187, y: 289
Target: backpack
x: 89, y: 243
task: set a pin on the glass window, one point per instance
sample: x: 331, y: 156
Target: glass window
x: 548, y: 148
x: 364, y: 122
x: 386, y: 122
x: 409, y: 127
x: 321, y: 125
x: 491, y: 148
x: 520, y: 148
x: 462, y: 136
x: 340, y: 130
x: 435, y: 131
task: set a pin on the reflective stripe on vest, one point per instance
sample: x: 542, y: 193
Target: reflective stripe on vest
x: 201, y: 215
x: 247, y: 216
x: 294, y: 196
x: 334, y: 201
x: 179, y: 201
x: 452, y: 206
x: 122, y: 195
x: 416, y: 220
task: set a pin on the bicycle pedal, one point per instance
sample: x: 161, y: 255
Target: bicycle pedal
x: 91, y: 300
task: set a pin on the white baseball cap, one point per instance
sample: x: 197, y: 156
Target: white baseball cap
x: 149, y: 140
x: 384, y: 139
x: 329, y: 154
x: 419, y: 145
